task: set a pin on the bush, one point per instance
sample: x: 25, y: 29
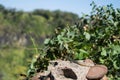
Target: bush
x: 95, y: 36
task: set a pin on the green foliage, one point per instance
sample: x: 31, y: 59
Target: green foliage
x: 20, y: 35
x: 95, y: 36
x: 12, y: 66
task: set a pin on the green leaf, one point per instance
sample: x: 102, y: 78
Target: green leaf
x: 116, y: 23
x: 103, y: 53
x: 32, y: 66
x: 46, y: 41
x: 83, y: 51
x: 79, y: 56
x: 104, y: 8
x: 115, y: 65
x: 117, y: 48
x: 101, y: 60
x: 66, y: 46
x: 59, y: 37
x: 87, y: 35
x: 61, y: 45
x: 115, y: 52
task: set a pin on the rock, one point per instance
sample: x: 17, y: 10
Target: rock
x: 67, y: 70
x: 103, y: 66
x: 97, y: 72
x: 85, y: 63
x: 76, y: 70
x: 89, y: 61
x: 41, y: 76
x: 50, y: 76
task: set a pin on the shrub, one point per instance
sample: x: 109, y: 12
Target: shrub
x: 95, y: 36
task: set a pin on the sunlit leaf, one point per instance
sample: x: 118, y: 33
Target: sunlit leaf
x: 87, y: 35
x: 46, y: 41
x: 103, y: 53
x: 83, y: 51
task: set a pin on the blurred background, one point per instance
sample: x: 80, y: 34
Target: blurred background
x: 24, y: 24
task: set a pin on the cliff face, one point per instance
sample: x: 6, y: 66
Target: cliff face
x: 16, y: 27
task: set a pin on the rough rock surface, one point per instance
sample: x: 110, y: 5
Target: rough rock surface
x: 65, y: 70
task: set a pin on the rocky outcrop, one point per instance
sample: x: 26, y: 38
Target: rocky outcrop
x: 72, y: 70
